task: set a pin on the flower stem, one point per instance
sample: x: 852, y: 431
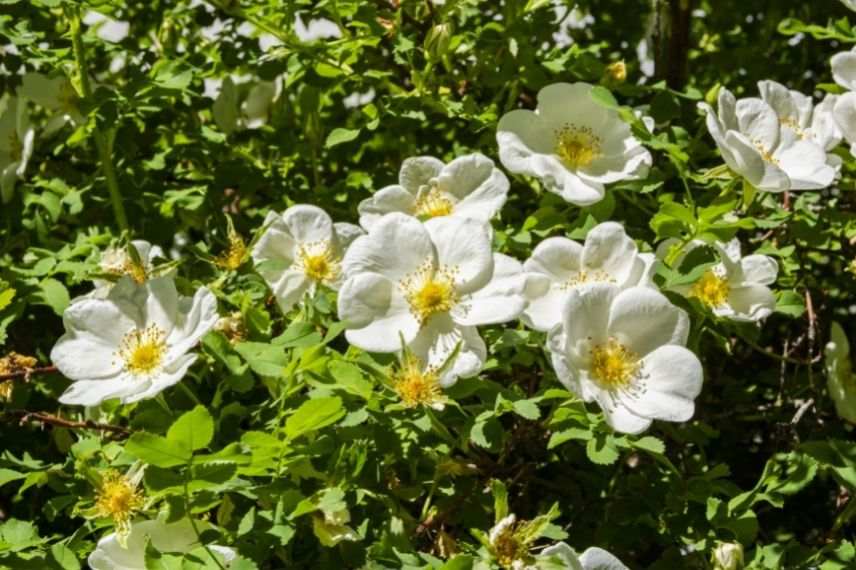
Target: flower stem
x: 102, y: 143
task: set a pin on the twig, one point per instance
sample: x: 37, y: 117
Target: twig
x: 45, y: 418
x: 26, y: 373
x: 801, y: 411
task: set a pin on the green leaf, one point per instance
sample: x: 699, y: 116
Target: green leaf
x: 157, y: 450
x: 63, y: 556
x: 349, y: 377
x: 602, y: 96
x: 54, y: 294
x: 313, y: 415
x: 194, y: 430
x: 602, y: 450
x: 339, y: 135
x: 650, y: 443
x: 527, y: 409
x: 790, y: 303
x: 264, y: 359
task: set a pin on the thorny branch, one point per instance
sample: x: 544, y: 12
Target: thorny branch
x: 48, y: 419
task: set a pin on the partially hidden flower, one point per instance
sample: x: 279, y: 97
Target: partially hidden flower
x: 134, y: 343
x: 17, y: 137
x: 727, y: 556
x: 301, y: 250
x: 119, y: 498
x: 840, y: 379
x: 331, y: 527
x: 558, y: 265
x: 571, y: 143
x: 178, y: 537
x: 626, y: 351
x: 56, y: 94
x: 470, y: 186
x: 756, y: 145
x: 429, y: 285
x: 245, y: 105
x: 117, y: 262
x: 561, y: 556
x: 738, y: 287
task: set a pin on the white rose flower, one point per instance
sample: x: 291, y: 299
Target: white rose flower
x: 559, y: 264
x: 737, y: 288
x: 470, y: 187
x: 178, y: 537
x: 56, y: 94
x: 133, y: 344
x: 798, y: 115
x: 756, y: 146
x: 572, y: 144
x: 429, y: 284
x: 16, y: 145
x: 117, y: 261
x: 563, y: 556
x: 300, y: 250
x: 625, y: 351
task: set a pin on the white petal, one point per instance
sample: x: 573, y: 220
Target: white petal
x: 395, y: 247
x: 644, y: 320
x: 599, y: 559
x: 289, y: 287
x: 608, y: 248
x: 559, y: 180
x: 751, y: 302
x: 566, y: 372
x: 561, y: 104
x: 844, y: 114
x: 93, y: 392
x: 672, y: 380
x: 805, y: 163
x: 558, y: 258
x: 275, y: 244
x: 308, y: 224
x: 481, y: 189
x: 437, y: 341
x: 618, y: 416
x: 82, y: 356
x: 193, y: 322
x: 758, y: 122
x: 376, y: 313
x: 844, y: 69
x: 585, y: 316
x: 386, y: 200
x: 561, y: 551
x: 346, y: 234
x: 161, y: 303
x: 500, y: 301
x: 545, y: 303
x: 465, y: 245
x: 417, y: 172
x: 167, y: 378
x: 751, y: 165
x: 761, y: 269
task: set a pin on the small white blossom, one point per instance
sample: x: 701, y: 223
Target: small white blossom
x: 470, y: 187
x: 134, y: 343
x: 117, y: 261
x: 559, y: 265
x: 429, y: 284
x: 55, y: 94
x: 178, y: 537
x: 737, y: 287
x: 625, y: 351
x: 300, y: 250
x: 728, y: 556
x: 571, y: 143
x: 755, y: 145
x: 244, y: 104
x: 16, y: 145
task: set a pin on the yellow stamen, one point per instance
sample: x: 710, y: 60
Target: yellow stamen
x: 318, y: 262
x: 584, y: 276
x: 507, y: 546
x: 415, y: 386
x: 766, y: 155
x: 118, y: 498
x: 430, y: 291
x: 613, y: 365
x: 577, y: 147
x: 794, y: 125
x: 711, y: 289
x: 432, y: 204
x: 118, y: 262
x: 235, y: 253
x: 143, y: 350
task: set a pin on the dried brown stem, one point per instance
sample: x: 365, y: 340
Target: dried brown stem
x: 49, y: 419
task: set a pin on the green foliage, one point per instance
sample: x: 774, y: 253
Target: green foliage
x: 292, y: 445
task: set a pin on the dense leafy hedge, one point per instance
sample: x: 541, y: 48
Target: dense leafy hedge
x: 199, y: 370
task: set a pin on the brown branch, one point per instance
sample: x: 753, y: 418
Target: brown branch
x: 48, y: 419
x: 27, y: 372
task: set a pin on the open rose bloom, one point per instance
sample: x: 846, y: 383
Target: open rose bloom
x: 559, y: 265
x: 625, y: 351
x: 132, y: 344
x: 469, y: 187
x: 301, y: 250
x: 571, y: 143
x: 428, y: 285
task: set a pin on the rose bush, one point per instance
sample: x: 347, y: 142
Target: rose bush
x: 427, y: 284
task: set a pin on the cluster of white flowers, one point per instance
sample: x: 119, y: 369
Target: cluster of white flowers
x: 421, y: 275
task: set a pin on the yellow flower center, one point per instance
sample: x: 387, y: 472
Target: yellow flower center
x: 794, y: 125
x: 143, y: 350
x: 613, y: 365
x: 586, y: 276
x: 118, y: 498
x: 415, y: 386
x: 711, y: 289
x: 430, y: 291
x: 432, y: 204
x: 766, y: 155
x: 118, y: 262
x: 318, y: 262
x: 577, y: 147
x: 234, y: 255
